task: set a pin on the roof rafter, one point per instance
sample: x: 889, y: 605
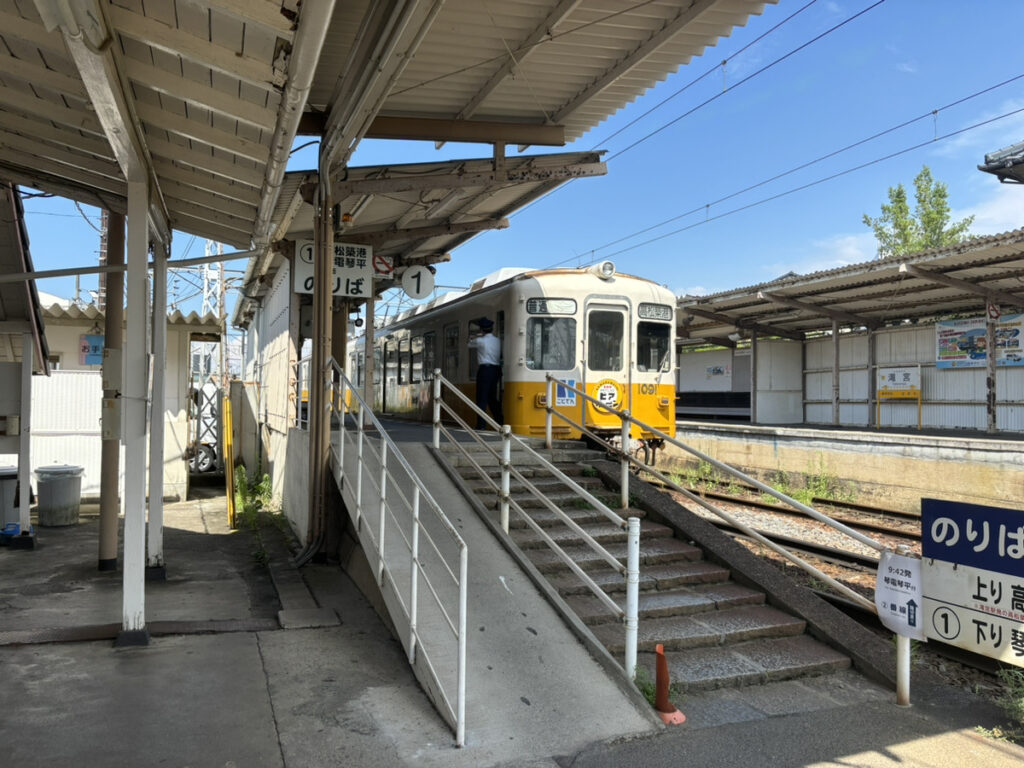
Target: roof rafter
x: 990, y: 294
x: 838, y: 315
x: 740, y: 323
x: 379, y: 236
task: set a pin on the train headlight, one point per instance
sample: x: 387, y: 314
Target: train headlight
x: 605, y: 270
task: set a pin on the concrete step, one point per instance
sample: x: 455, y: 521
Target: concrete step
x: 543, y: 483
x: 526, y: 538
x: 652, y: 551
x: 732, y: 625
x: 545, y: 518
x: 674, y: 602
x: 655, y: 577
x: 750, y: 663
x: 572, y: 469
x: 522, y: 458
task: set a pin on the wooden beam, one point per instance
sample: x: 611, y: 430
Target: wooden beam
x: 838, y: 315
x: 991, y: 295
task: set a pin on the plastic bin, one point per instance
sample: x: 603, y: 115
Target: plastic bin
x: 60, y: 494
x: 8, y: 491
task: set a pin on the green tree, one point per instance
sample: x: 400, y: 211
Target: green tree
x: 899, y: 232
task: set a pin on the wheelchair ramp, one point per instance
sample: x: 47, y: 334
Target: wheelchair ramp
x: 529, y: 680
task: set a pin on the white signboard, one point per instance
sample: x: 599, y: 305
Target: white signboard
x: 353, y: 269
x: 973, y: 577
x: 564, y: 397
x: 418, y: 281
x: 898, y: 595
x: 900, y: 379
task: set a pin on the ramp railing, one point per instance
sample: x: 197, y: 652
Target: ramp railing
x: 410, y: 544
x: 630, y: 570
x: 628, y: 461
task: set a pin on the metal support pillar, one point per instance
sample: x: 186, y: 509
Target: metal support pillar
x: 992, y: 316
x: 872, y: 377
x: 136, y: 363
x: 110, y: 447
x: 753, y: 377
x: 835, y: 373
x: 155, y: 553
x: 368, y: 366
x: 24, y: 436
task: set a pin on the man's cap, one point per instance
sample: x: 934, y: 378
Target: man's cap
x: 485, y: 323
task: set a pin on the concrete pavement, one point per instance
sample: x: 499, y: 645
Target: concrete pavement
x: 343, y: 694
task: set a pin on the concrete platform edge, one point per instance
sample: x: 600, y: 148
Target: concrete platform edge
x: 871, y: 655
x: 593, y: 645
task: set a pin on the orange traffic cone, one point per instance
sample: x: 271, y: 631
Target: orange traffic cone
x: 665, y: 708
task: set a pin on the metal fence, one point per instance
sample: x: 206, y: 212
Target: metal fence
x: 410, y: 544
x: 630, y: 570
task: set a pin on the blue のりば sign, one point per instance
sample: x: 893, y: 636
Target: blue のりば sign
x: 991, y: 538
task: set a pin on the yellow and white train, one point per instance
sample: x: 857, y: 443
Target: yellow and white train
x: 608, y: 334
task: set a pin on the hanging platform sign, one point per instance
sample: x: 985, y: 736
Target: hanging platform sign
x: 972, y: 575
x: 353, y: 269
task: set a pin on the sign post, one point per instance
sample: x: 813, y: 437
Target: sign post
x: 898, y: 384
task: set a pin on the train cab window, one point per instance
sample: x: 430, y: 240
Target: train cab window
x: 429, y: 354
x: 416, y: 372
x: 451, y: 352
x: 404, y: 361
x: 604, y: 340
x: 551, y: 343
x: 652, y: 346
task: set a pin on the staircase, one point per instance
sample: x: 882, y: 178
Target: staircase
x: 716, y: 633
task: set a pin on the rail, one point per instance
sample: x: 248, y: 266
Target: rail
x: 630, y: 570
x: 627, y: 461
x: 407, y: 548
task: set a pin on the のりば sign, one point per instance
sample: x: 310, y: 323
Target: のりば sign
x: 973, y: 577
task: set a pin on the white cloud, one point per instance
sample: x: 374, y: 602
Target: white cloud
x: 830, y: 253
x: 1001, y: 133
x: 696, y: 290
x: 1001, y: 212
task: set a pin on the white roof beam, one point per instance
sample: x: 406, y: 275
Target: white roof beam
x: 838, y: 315
x: 206, y: 229
x: 205, y: 181
x: 31, y: 165
x: 200, y: 95
x: 159, y: 119
x: 267, y: 13
x: 525, y: 48
x: 204, y: 161
x: 377, y: 237
x: 180, y: 43
x: 23, y: 102
x: 200, y: 197
x: 88, y: 39
x: 14, y: 124
x: 36, y: 75
x: 738, y: 323
x: 43, y: 151
x: 989, y: 294
x: 636, y: 56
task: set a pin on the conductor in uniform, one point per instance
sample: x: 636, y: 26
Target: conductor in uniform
x: 488, y: 372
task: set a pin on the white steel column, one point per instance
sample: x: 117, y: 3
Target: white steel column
x: 369, y: 338
x: 753, y: 377
x: 155, y: 555
x: 991, y: 315
x: 835, y: 372
x: 133, y: 629
x: 24, y: 436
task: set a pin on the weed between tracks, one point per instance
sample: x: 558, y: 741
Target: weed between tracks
x: 253, y: 510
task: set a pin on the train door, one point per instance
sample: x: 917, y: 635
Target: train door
x: 606, y: 373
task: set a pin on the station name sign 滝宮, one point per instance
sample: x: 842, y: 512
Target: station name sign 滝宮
x: 973, y: 577
x: 354, y: 268
x: 899, y: 383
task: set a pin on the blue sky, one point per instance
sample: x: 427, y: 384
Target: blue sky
x: 898, y: 61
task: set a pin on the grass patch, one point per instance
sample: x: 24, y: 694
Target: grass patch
x: 1011, y: 701
x: 646, y: 685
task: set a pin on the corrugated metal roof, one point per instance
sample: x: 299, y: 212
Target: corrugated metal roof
x: 90, y: 313
x: 205, y: 94
x: 959, y: 278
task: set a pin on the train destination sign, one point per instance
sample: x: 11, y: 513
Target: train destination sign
x: 353, y: 269
x: 898, y: 595
x: 973, y: 577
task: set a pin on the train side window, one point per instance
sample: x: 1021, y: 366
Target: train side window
x: 360, y: 366
x: 416, y: 372
x: 429, y: 354
x: 390, y: 361
x: 551, y: 343
x: 451, y: 352
x: 604, y: 341
x: 404, y: 361
x: 377, y: 368
x: 652, y: 342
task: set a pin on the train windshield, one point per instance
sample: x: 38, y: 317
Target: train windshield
x: 604, y: 340
x: 551, y: 343
x: 652, y: 346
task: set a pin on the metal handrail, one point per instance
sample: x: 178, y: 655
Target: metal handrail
x: 626, y: 460
x: 630, y: 571
x: 368, y: 458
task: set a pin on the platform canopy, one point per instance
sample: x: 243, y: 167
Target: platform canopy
x: 958, y: 279
x: 204, y: 98
x: 19, y: 302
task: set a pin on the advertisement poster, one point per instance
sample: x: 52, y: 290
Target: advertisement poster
x: 90, y: 349
x: 961, y: 343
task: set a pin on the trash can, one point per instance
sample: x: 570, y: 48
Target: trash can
x: 8, y: 494
x: 60, y: 493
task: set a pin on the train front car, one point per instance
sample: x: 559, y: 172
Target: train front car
x: 604, y: 333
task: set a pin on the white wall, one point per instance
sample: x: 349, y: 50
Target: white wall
x: 779, y: 382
